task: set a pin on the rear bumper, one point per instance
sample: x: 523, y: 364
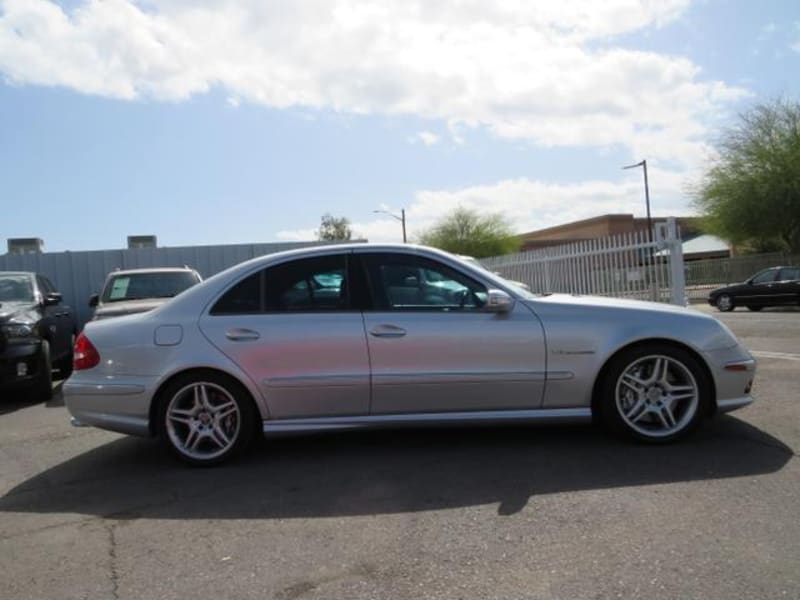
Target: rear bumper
x: 117, y: 405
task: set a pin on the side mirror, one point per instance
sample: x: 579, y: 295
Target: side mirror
x: 94, y: 300
x: 497, y: 301
x: 52, y: 299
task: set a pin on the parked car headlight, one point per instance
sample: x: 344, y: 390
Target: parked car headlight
x: 17, y: 330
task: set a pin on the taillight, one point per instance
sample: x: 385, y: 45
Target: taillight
x: 85, y: 354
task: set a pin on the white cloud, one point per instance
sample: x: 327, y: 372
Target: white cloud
x: 541, y: 71
x: 529, y: 204
x: 428, y: 138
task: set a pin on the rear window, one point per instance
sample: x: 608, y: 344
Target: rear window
x: 138, y: 286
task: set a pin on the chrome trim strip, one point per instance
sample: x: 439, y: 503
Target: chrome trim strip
x: 434, y: 377
x: 749, y: 363
x: 550, y: 415
x: 731, y: 404
x: 101, y: 389
x: 327, y: 380
x: 559, y: 375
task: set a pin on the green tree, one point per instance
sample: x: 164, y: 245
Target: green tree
x: 751, y: 194
x: 334, y: 228
x: 465, y: 231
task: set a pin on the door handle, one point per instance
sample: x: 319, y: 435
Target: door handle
x: 242, y: 335
x: 387, y: 331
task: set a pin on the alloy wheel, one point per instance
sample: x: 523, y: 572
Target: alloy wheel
x: 203, y: 421
x: 657, y: 396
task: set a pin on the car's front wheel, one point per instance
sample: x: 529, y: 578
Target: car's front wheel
x: 654, y: 393
x: 725, y: 303
x: 205, y: 418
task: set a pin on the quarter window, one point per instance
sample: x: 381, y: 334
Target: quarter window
x: 792, y: 274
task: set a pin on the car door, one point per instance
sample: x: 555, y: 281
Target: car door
x: 52, y: 319
x: 759, y: 291
x: 294, y: 330
x: 434, y: 348
x: 788, y: 285
x: 65, y: 321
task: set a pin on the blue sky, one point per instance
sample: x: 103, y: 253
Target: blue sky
x: 235, y: 122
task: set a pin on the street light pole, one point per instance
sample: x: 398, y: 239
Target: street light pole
x: 643, y: 164
x: 401, y: 218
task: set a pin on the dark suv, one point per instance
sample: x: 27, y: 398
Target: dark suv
x: 37, y: 332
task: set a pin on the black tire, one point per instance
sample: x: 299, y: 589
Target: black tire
x: 64, y: 365
x: 755, y: 308
x: 681, y: 364
x: 217, y: 437
x: 725, y: 303
x: 43, y: 386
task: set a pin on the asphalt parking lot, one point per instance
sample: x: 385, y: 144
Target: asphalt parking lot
x: 472, y: 513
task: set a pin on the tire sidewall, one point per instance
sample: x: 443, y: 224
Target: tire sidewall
x: 43, y: 388
x: 240, y: 395
x: 609, y: 411
x: 731, y: 305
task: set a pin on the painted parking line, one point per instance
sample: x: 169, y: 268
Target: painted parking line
x: 781, y: 355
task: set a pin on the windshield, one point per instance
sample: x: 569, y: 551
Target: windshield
x: 138, y: 286
x: 16, y: 288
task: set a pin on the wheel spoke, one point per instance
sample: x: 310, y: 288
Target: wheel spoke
x: 223, y: 410
x: 204, y: 398
x: 192, y: 439
x: 633, y: 382
x: 218, y: 437
x: 666, y: 411
x: 639, y: 410
x: 178, y: 417
x: 661, y: 370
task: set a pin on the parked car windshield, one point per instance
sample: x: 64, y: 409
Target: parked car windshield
x: 138, y: 286
x: 16, y: 288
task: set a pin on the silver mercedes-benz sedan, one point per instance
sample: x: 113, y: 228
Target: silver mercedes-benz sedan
x: 364, y: 335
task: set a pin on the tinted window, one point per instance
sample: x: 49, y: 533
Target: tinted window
x: 309, y: 284
x: 401, y: 282
x: 305, y: 285
x: 765, y: 276
x: 242, y: 298
x: 791, y: 274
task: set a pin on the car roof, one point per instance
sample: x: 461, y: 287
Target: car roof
x: 152, y: 270
x: 29, y: 273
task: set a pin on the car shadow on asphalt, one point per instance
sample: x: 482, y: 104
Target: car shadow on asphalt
x: 387, y: 472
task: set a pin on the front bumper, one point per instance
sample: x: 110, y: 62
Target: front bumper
x: 733, y: 370
x: 20, y: 365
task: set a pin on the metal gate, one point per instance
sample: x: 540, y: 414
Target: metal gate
x: 628, y: 265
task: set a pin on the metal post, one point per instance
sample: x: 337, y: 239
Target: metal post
x: 647, y: 201
x: 403, y: 213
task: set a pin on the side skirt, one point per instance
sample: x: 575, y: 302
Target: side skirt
x: 277, y: 427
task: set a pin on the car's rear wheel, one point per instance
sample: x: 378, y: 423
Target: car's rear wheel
x: 654, y: 393
x: 205, y: 418
x: 755, y: 308
x: 725, y: 303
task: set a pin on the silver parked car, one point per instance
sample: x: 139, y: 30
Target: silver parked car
x: 380, y: 336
